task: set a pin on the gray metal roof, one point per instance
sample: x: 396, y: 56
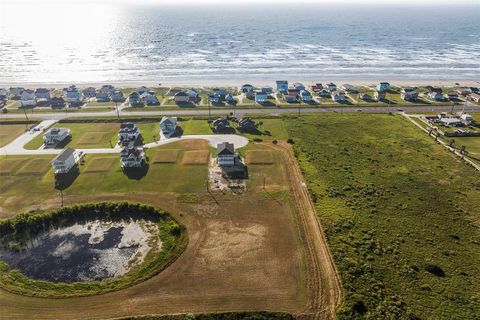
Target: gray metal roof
x: 64, y: 155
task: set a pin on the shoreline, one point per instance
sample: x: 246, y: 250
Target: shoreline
x: 238, y: 83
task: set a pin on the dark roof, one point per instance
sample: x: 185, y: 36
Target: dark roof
x: 129, y: 125
x: 64, y: 155
x: 225, y: 148
x: 181, y: 94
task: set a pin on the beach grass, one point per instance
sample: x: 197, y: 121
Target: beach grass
x: 400, y: 214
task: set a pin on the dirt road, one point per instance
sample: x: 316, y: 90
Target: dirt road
x: 325, y: 288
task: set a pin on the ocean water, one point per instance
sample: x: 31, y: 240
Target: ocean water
x: 90, y: 43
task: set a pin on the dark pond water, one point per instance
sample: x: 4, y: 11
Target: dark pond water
x: 89, y: 252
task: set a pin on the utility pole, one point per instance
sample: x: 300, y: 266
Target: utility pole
x: 264, y: 183
x: 209, y: 112
x: 299, y: 107
x: 25, y: 111
x: 61, y: 195
x: 116, y: 108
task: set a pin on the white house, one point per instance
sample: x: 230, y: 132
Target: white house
x: 28, y: 99
x: 42, y: 94
x: 338, y: 96
x: 168, y: 126
x: 409, y: 94
x: 128, y: 132
x: 64, y: 161
x: 453, y: 122
x: 73, y: 96
x: 55, y: 136
x: 132, y: 157
x: 226, y: 154
x: 435, y: 95
x: 475, y: 97
x: 466, y: 117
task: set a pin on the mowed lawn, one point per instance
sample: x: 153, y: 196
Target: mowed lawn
x: 8, y: 132
x: 401, y: 214
x: 85, y: 135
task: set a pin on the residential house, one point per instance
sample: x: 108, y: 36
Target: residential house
x: 230, y: 99
x: 299, y: 86
x: 365, y: 97
x: 215, y: 98
x: 247, y: 88
x: 380, y: 95
x: 220, y: 92
x: 181, y: 97
x: 221, y: 124
x: 73, y: 96
x: 226, y: 154
x: 89, y: 92
x: 135, y: 100
x: 317, y: 87
x: 451, y: 95
x: 108, y: 89
x: 306, y: 96
x: 349, y: 88
x: 323, y: 93
x: 192, y: 95
x: 463, y: 91
x: 168, y: 126
x: 28, y: 99
x: 142, y: 90
x: 55, y: 136
x: 409, y: 94
x: 42, y: 95
x: 3, y: 93
x: 267, y: 89
x: 132, y: 157
x: 150, y: 98
x: 466, y: 117
x: 338, y: 96
x: 65, y: 161
x: 475, y: 89
x: 282, y: 86
x: 103, y: 96
x: 247, y: 125
x: 434, y: 95
x: 261, y: 97
x: 15, y: 92
x: 331, y: 87
x: 475, y: 97
x: 451, y: 122
x: 434, y: 89
x: 291, y: 96
x: 383, y: 86
x: 57, y: 102
x: 117, y: 96
x: 128, y: 133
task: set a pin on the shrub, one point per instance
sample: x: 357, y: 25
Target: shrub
x: 435, y: 270
x: 290, y: 141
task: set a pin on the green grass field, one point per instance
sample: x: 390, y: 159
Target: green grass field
x: 401, y: 216
x: 8, y: 132
x: 85, y: 135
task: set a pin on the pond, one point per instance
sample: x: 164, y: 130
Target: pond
x: 81, y: 252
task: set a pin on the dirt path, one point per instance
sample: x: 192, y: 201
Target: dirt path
x: 326, y: 292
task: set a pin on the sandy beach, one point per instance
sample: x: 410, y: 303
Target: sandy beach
x: 238, y: 83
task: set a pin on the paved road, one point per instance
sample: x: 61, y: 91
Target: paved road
x: 16, y: 147
x: 215, y: 111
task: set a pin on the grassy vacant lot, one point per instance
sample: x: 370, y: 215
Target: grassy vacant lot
x: 85, y: 135
x: 244, y: 251
x: 8, y: 132
x: 401, y: 216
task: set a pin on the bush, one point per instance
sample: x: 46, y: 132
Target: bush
x: 435, y: 270
x: 274, y: 141
x: 290, y: 141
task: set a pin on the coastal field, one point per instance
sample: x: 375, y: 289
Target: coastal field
x: 9, y: 132
x: 245, y: 251
x: 400, y: 213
